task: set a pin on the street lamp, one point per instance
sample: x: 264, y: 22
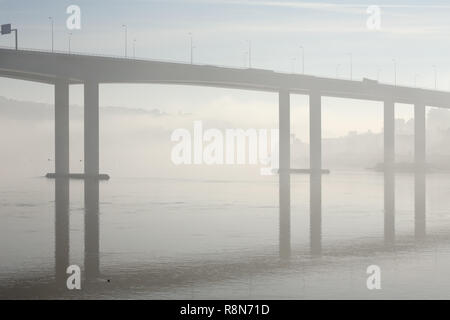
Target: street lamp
x: 435, y: 77
x: 351, y: 65
x: 249, y: 54
x: 52, y: 24
x: 134, y: 48
x: 303, y: 59
x: 293, y: 64
x: 70, y: 38
x: 191, y: 47
x: 395, y: 71
x: 126, y: 38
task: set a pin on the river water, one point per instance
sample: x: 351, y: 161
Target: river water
x: 206, y: 239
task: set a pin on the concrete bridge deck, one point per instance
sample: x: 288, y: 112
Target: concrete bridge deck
x: 48, y: 67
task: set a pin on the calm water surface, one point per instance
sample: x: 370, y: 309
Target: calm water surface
x: 183, y: 239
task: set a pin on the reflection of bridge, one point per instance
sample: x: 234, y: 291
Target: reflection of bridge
x: 61, y: 70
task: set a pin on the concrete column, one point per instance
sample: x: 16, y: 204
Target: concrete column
x: 284, y: 175
x: 315, y: 136
x: 61, y: 229
x: 315, y: 131
x: 62, y: 128
x: 389, y: 172
x: 91, y: 128
x: 420, y: 170
x: 91, y: 229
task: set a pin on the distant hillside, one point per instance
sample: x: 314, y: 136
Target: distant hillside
x: 136, y: 142
x: 25, y: 110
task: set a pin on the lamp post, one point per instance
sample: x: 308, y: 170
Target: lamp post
x: 191, y: 38
x: 52, y: 24
x: 435, y: 77
x: 293, y: 65
x: 303, y: 59
x: 70, y: 38
x: 249, y: 54
x: 126, y: 38
x: 395, y: 71
x: 351, y: 65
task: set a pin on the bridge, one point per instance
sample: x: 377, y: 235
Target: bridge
x: 62, y: 70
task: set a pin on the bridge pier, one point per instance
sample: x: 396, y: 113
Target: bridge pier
x: 284, y: 174
x: 62, y: 128
x: 389, y: 172
x: 91, y: 182
x: 91, y: 129
x: 315, y: 137
x: 62, y: 187
x: 420, y: 170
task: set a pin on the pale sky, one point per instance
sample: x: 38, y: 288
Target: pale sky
x: 413, y: 33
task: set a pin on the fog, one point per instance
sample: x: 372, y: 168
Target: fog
x: 136, y: 142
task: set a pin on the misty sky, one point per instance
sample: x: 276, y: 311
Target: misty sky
x: 413, y: 33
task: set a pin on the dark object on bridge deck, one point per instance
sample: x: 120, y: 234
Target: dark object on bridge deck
x: 304, y: 171
x: 78, y: 176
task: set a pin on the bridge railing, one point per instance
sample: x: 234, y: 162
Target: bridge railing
x: 94, y: 54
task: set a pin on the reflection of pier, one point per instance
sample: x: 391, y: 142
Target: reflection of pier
x: 91, y: 229
x: 316, y: 172
x: 158, y: 276
x: 62, y: 70
x: 62, y: 229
